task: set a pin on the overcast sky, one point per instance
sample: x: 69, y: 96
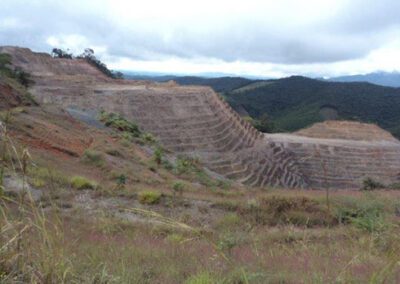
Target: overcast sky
x: 259, y: 38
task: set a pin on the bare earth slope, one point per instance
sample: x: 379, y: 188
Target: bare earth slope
x: 195, y: 121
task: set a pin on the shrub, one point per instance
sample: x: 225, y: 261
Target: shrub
x: 121, y: 180
x: 158, y: 155
x: 119, y: 123
x: 178, y: 187
x: 227, y: 242
x: 366, y: 214
x: 127, y: 136
x: 93, y: 158
x: 148, y: 138
x: 149, y: 197
x: 167, y: 165
x: 79, y: 182
x: 371, y: 184
x: 186, y: 164
x: 24, y: 78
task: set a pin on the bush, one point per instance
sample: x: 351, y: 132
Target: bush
x: 158, y: 155
x: 93, y: 158
x: 119, y: 123
x: 227, y: 242
x: 367, y: 214
x: 148, y: 138
x: 371, y: 184
x: 186, y: 164
x: 149, y: 197
x: 24, y: 78
x: 79, y: 182
x: 178, y: 187
x: 121, y: 180
x: 167, y: 165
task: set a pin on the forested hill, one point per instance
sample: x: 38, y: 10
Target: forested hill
x: 296, y: 102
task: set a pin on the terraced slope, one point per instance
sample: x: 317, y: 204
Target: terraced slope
x: 195, y: 121
x: 338, y: 163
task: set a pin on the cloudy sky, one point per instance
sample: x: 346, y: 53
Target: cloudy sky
x: 249, y: 37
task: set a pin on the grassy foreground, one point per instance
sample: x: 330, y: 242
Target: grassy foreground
x: 358, y: 242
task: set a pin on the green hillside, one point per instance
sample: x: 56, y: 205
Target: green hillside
x: 295, y: 102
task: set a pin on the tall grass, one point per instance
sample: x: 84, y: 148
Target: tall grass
x: 23, y: 224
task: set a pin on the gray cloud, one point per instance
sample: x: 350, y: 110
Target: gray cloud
x: 351, y: 32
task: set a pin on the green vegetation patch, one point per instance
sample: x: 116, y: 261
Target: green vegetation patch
x: 80, y: 183
x: 93, y: 158
x: 149, y: 197
x: 119, y: 123
x: 367, y: 213
x: 42, y: 177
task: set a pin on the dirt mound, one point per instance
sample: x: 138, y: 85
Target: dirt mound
x: 348, y: 130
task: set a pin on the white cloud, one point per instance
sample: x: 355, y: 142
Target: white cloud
x: 253, y: 37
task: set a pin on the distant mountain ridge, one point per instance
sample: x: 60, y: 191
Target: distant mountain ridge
x: 390, y: 79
